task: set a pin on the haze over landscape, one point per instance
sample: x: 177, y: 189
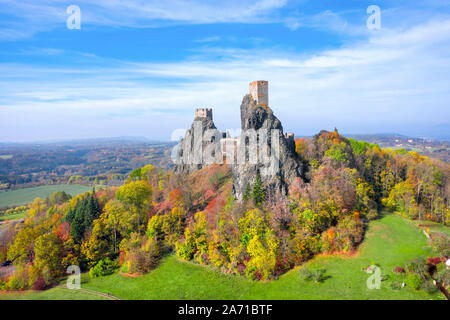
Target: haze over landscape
x: 140, y: 68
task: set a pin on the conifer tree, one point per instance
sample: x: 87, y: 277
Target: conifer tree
x: 258, y: 191
x: 247, y: 193
x: 81, y: 217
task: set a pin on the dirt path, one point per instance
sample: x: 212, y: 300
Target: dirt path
x: 101, y: 294
x: 97, y: 293
x: 11, y: 221
x: 5, y: 225
x: 5, y: 272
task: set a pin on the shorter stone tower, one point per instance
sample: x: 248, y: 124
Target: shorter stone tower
x: 290, y: 138
x: 203, y: 113
x: 259, y: 90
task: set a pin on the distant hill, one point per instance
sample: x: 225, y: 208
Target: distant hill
x: 108, y: 160
x: 89, y: 141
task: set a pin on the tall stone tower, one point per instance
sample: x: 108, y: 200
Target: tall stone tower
x: 259, y: 90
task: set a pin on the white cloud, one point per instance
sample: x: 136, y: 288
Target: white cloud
x: 209, y: 39
x: 395, y: 81
x: 40, y: 15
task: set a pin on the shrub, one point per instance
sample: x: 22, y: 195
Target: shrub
x: 372, y: 214
x: 258, y: 275
x: 349, y: 232
x: 186, y: 250
x: 434, y: 261
x: 240, y: 268
x: 429, y: 287
x: 250, y: 273
x: 39, y: 279
x: 154, y: 252
x: 39, y: 284
x: 395, y: 285
x: 317, y: 275
x: 138, y: 261
x: 124, y: 268
x: 439, y: 243
x: 442, y: 274
x: 418, y: 267
x: 414, y: 281
x: 17, y: 281
x: 398, y: 269
x: 102, y: 268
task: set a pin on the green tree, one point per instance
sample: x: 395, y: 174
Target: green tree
x: 116, y: 220
x: 47, y: 250
x: 135, y: 194
x: 258, y: 192
x: 81, y: 216
x: 21, y: 250
x: 58, y: 197
x: 262, y: 253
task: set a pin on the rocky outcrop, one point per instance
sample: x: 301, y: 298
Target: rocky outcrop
x: 200, y: 141
x: 262, y: 149
x: 288, y: 167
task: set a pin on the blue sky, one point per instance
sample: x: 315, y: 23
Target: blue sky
x: 139, y: 68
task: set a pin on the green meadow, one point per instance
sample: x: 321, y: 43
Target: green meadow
x: 390, y: 241
x: 27, y: 195
x: 58, y: 293
x: 13, y: 216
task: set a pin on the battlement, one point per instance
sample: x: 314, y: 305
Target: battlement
x: 289, y: 136
x: 259, y: 90
x: 203, y: 113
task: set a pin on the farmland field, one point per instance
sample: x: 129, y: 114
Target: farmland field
x: 13, y: 216
x: 27, y: 195
x: 390, y: 241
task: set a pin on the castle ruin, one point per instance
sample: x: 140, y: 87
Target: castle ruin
x: 257, y: 117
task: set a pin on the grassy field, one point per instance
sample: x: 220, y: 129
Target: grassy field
x: 390, y: 241
x: 6, y: 156
x: 27, y: 195
x: 13, y: 216
x: 58, y: 293
x: 431, y: 226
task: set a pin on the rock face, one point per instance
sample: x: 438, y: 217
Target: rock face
x: 261, y: 119
x: 201, y: 140
x: 262, y: 149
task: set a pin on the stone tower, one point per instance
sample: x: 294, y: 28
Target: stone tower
x: 203, y: 113
x: 259, y: 90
